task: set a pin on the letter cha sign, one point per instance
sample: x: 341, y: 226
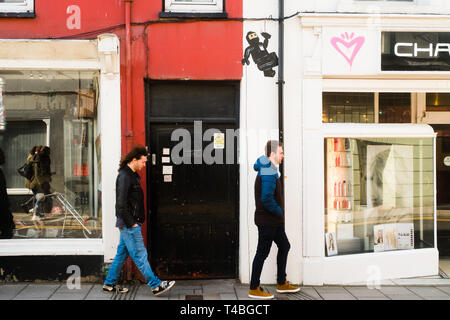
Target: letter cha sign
x: 415, y: 51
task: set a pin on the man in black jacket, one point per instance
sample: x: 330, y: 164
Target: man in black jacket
x: 269, y: 217
x: 130, y: 213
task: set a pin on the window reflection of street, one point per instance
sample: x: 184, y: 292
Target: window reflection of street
x: 63, y: 221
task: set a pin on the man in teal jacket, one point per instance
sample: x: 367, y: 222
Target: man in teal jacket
x: 269, y: 217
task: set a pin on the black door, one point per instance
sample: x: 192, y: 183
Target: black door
x: 443, y: 188
x: 193, y: 184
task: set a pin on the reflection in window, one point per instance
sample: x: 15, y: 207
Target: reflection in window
x: 348, y: 107
x: 379, y: 194
x: 438, y: 101
x: 52, y: 127
x: 394, y: 108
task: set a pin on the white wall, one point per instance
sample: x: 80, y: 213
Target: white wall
x: 355, y: 6
x: 258, y: 123
x: 304, y: 83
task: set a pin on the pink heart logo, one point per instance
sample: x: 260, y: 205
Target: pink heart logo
x: 348, y: 42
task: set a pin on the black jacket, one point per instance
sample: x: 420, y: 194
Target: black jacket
x: 129, y: 197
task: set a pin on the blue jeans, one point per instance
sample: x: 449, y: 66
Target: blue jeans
x: 132, y: 244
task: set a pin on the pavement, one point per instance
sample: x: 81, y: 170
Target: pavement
x: 426, y: 288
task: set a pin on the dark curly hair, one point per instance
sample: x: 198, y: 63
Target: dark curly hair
x: 136, y: 153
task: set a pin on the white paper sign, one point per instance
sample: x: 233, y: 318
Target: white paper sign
x: 405, y: 236
x: 165, y: 160
x: 166, y: 151
x: 167, y: 169
x: 331, y: 243
x: 219, y: 140
x: 167, y: 178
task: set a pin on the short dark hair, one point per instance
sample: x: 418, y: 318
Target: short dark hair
x: 136, y: 153
x: 2, y: 156
x: 272, y: 146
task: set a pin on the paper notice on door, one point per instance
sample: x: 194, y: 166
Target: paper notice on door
x: 165, y: 160
x: 167, y: 178
x: 219, y: 140
x: 167, y: 170
x: 166, y: 151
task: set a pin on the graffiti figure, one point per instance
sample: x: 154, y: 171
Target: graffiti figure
x: 264, y: 60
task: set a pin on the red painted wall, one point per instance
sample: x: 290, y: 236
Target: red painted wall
x: 208, y: 50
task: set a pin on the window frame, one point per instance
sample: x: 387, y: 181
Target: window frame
x: 27, y: 6
x: 194, y: 7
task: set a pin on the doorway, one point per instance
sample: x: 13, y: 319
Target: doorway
x: 193, y: 178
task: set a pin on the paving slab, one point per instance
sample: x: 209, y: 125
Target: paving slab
x: 365, y: 293
x: 96, y: 293
x: 211, y: 296
x: 9, y: 291
x: 219, y: 286
x: 445, y: 289
x: 310, y: 291
x: 228, y: 296
x: 405, y: 297
x: 334, y: 293
x: 41, y: 291
x: 430, y: 293
x: 66, y: 293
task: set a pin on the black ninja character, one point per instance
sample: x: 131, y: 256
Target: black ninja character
x: 264, y: 60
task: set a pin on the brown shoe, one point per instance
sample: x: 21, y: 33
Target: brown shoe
x: 259, y: 293
x: 287, y: 288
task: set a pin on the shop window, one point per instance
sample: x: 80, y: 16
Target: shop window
x: 438, y: 101
x: 194, y: 6
x: 51, y: 119
x: 379, y: 194
x: 16, y: 6
x: 394, y: 108
x: 348, y: 107
x: 16, y: 142
x: 366, y: 107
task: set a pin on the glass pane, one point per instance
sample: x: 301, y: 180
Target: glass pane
x: 380, y: 194
x: 438, y: 101
x: 442, y: 188
x: 51, y: 125
x: 348, y: 107
x: 394, y: 108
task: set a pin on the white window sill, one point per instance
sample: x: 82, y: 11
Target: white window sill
x: 53, y: 247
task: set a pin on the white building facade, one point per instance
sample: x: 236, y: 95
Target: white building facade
x: 364, y: 126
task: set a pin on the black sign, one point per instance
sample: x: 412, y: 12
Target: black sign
x: 415, y: 51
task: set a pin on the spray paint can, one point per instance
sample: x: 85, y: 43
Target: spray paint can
x: 2, y: 107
